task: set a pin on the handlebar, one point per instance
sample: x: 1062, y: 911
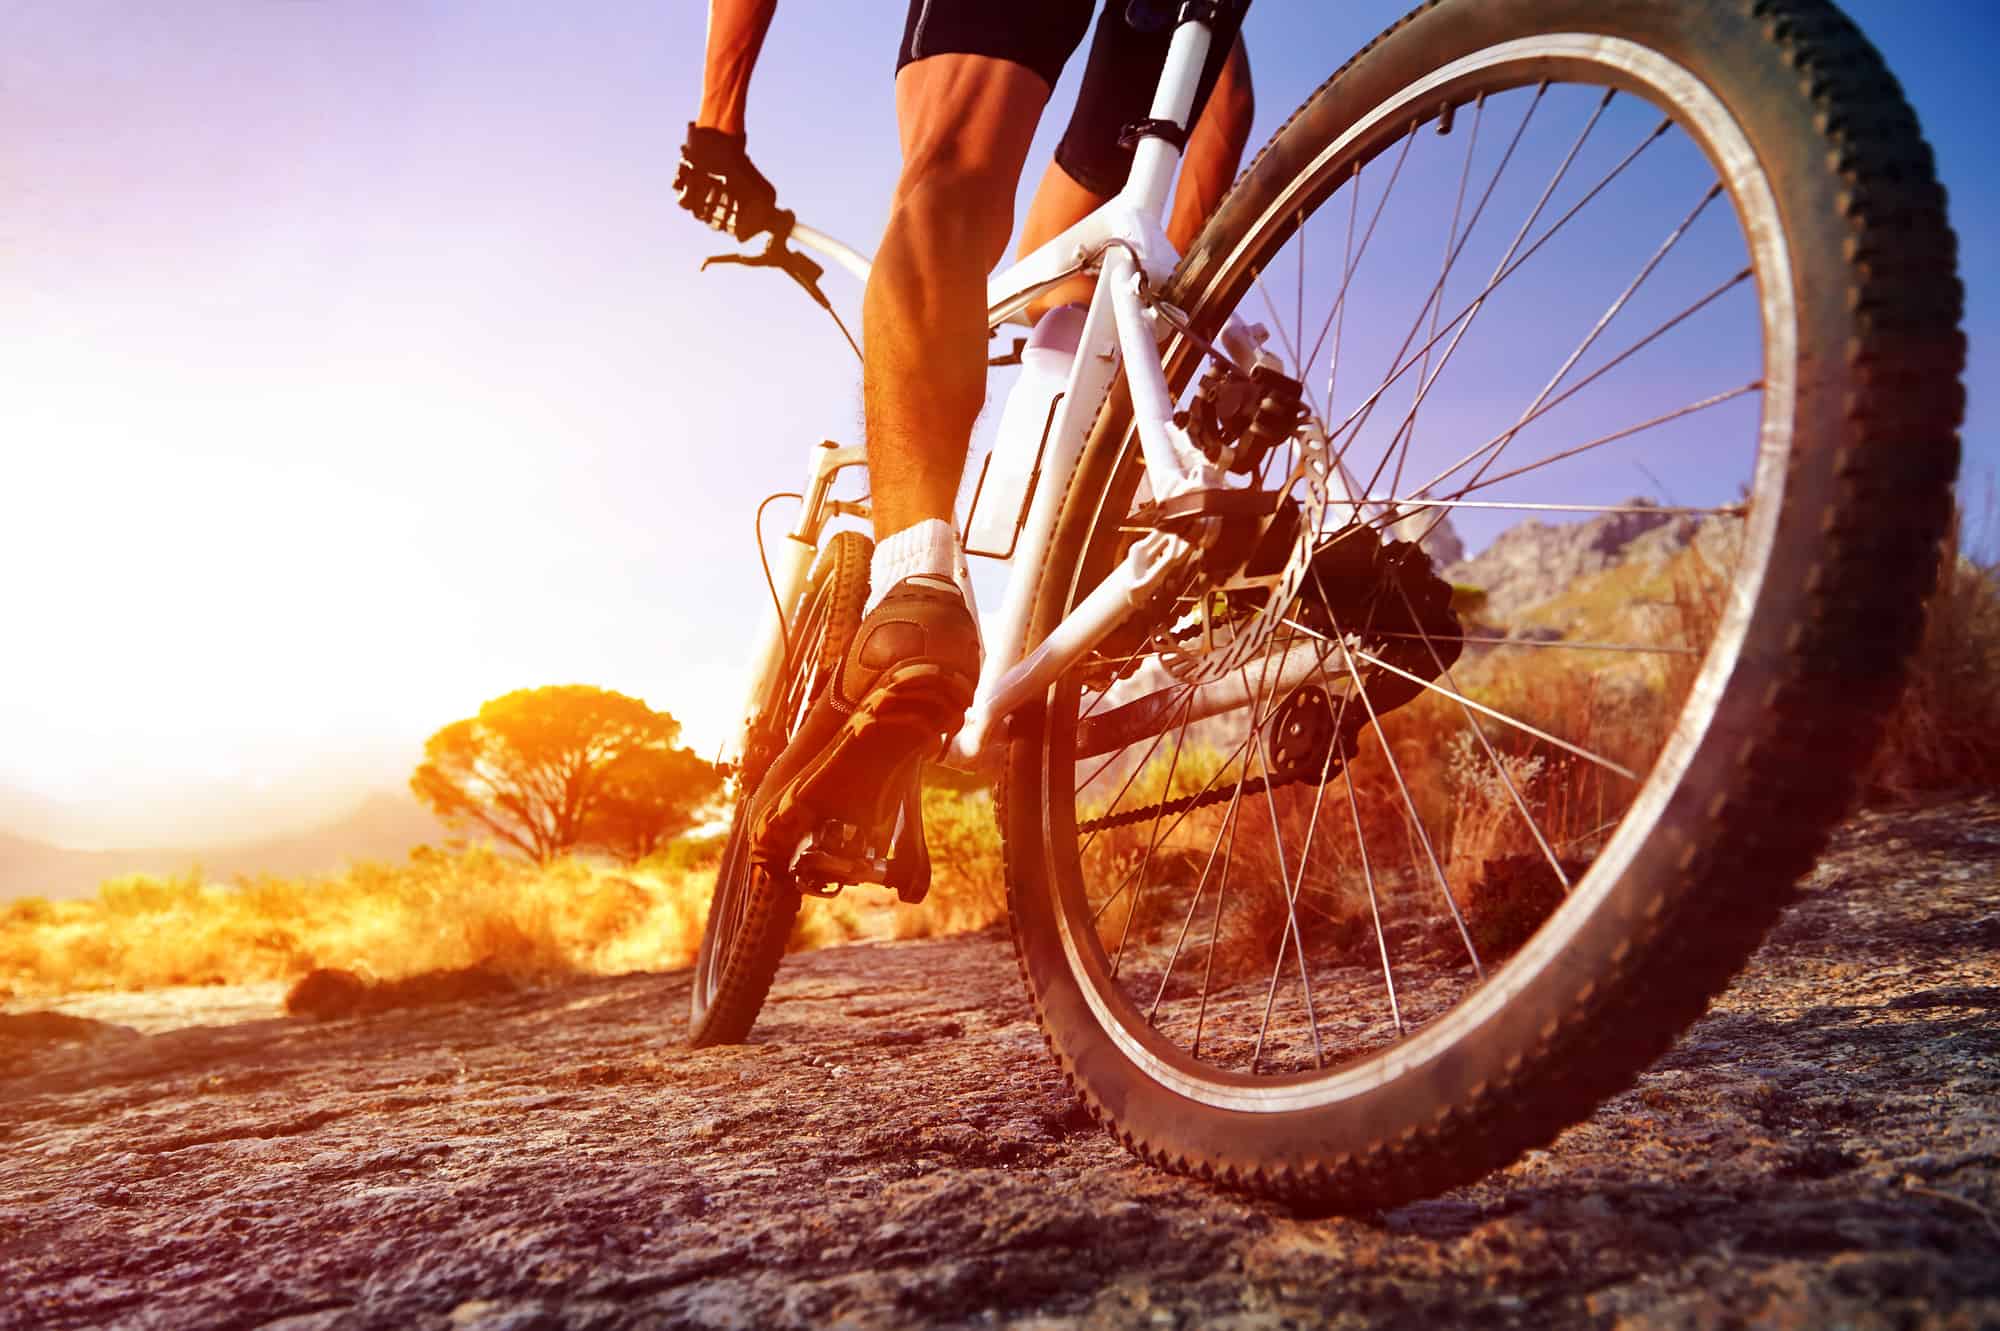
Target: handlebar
x: 842, y: 255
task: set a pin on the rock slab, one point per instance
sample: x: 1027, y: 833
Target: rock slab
x: 896, y: 1150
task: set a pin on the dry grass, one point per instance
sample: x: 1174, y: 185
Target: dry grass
x: 445, y: 910
x: 968, y: 878
x: 1477, y: 791
x: 449, y: 910
x: 1477, y: 785
x: 438, y: 911
x: 1945, y: 731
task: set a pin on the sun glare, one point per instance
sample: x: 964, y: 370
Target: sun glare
x: 216, y: 574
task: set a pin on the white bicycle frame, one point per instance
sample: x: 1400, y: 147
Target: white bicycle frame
x: 1124, y: 242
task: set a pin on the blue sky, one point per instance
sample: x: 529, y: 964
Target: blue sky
x: 356, y: 367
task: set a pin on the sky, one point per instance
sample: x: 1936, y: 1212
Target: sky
x: 355, y: 366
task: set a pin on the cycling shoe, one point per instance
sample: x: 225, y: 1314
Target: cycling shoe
x: 899, y: 693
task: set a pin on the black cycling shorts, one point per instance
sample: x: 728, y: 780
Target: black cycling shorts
x: 1119, y: 79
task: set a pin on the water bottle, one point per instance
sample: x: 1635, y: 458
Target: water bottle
x: 1002, y: 500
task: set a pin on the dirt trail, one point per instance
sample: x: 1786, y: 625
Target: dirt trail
x: 896, y: 1150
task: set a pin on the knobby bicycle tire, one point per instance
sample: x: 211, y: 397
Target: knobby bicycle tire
x: 1851, y: 495
x: 750, y: 913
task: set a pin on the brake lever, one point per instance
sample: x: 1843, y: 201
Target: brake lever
x: 777, y: 254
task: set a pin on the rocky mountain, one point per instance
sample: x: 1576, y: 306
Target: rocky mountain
x: 1533, y: 561
x: 1434, y: 532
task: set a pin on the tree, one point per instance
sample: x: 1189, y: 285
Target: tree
x: 650, y: 797
x: 566, y: 767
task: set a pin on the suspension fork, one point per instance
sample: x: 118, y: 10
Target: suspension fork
x: 791, y: 565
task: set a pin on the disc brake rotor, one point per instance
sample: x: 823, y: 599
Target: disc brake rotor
x: 1225, y: 627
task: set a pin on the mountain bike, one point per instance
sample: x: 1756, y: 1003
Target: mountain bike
x: 1327, y: 879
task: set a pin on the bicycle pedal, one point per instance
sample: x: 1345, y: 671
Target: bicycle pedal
x: 841, y: 854
x: 909, y: 867
x: 837, y: 855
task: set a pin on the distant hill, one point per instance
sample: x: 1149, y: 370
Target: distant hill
x: 1534, y: 564
x: 384, y: 826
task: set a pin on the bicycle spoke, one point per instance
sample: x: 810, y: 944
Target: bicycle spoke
x: 1536, y: 407
x: 1407, y: 432
x: 1479, y: 211
x: 1665, y: 510
x: 1238, y: 753
x: 1410, y: 807
x: 1102, y: 767
x: 1348, y: 425
x: 1340, y: 299
x: 1374, y: 909
x: 1187, y: 702
x: 1291, y: 928
x: 1472, y: 313
x: 1201, y: 885
x: 1501, y: 717
x: 1215, y: 926
x: 1300, y: 363
x: 1479, y: 733
x: 1715, y: 400
x: 1299, y: 292
x: 1337, y: 316
x: 1153, y: 841
x: 1272, y: 308
x: 1207, y: 786
x: 1559, y: 645
x: 1492, y: 447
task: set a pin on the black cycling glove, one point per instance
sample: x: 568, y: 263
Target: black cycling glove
x: 718, y: 184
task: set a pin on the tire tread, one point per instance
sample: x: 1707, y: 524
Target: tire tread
x: 1842, y: 672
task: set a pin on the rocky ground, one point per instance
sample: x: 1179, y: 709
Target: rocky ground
x: 896, y: 1150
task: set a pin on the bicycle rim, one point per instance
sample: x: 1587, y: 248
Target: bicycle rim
x: 750, y: 914
x: 1541, y: 277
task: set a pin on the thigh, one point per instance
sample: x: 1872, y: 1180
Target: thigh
x: 1038, y: 34
x: 969, y: 120
x: 1119, y: 81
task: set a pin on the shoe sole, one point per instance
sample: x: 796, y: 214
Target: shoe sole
x: 862, y: 774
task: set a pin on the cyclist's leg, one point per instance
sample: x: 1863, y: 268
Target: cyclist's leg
x: 968, y: 95
x: 966, y: 123
x: 1090, y: 166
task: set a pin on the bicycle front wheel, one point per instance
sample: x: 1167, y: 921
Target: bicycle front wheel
x: 1343, y: 881
x: 750, y: 912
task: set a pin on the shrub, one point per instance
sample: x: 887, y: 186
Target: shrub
x: 968, y: 878
x: 439, y: 911
x: 1945, y: 730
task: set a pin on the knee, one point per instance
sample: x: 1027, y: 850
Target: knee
x: 966, y: 206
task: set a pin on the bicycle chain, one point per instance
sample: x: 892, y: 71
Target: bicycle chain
x: 1305, y: 736
x: 1256, y: 785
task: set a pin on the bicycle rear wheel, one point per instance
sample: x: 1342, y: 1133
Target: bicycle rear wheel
x: 750, y: 913
x: 1433, y: 887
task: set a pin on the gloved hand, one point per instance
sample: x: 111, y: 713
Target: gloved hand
x: 717, y: 183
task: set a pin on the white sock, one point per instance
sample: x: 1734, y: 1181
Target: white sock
x: 930, y: 549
